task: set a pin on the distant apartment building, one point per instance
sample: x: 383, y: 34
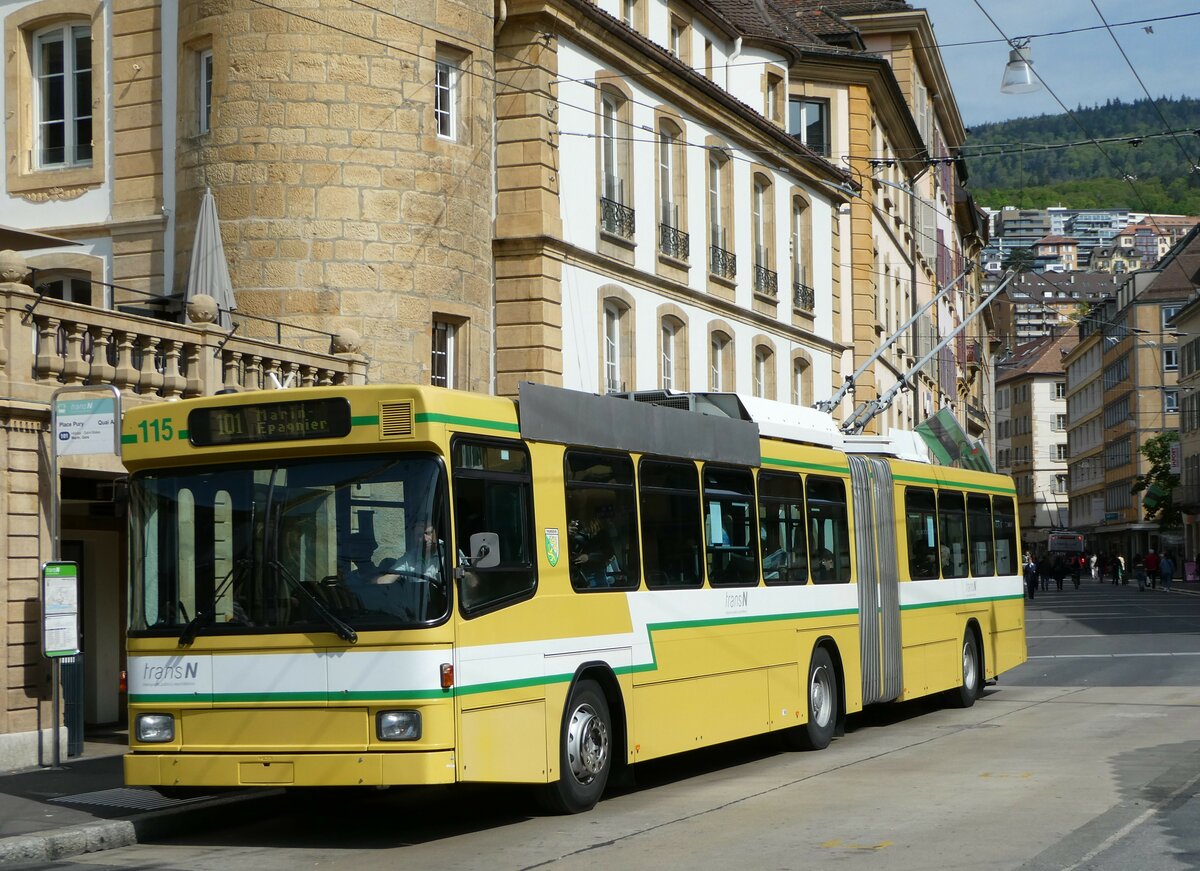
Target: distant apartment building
x: 1085, y: 424
x: 1037, y: 304
x: 1031, y: 433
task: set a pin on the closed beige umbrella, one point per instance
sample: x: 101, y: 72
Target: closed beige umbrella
x: 208, y: 272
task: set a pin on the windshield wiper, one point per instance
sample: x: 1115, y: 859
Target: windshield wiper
x: 204, y: 618
x: 343, y: 629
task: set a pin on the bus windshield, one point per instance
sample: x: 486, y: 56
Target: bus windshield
x: 342, y: 545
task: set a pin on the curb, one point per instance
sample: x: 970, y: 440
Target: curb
x: 95, y: 837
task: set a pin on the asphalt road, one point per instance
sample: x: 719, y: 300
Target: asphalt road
x: 1088, y: 756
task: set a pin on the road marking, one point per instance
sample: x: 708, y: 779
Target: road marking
x: 1132, y: 824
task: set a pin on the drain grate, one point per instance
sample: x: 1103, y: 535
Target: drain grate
x: 127, y: 797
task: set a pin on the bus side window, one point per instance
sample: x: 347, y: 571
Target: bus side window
x: 953, y: 529
x: 1005, y: 519
x: 602, y: 544
x: 829, y: 530
x: 920, y: 511
x: 784, y: 539
x: 731, y: 528
x: 493, y: 492
x: 979, y: 531
x: 671, y: 546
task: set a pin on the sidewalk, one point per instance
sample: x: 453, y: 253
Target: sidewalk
x: 84, y: 806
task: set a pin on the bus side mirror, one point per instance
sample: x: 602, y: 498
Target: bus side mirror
x: 485, y: 550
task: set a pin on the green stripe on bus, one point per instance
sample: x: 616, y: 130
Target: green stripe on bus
x: 130, y: 439
x: 952, y: 603
x: 434, y: 417
x: 914, y: 479
x: 797, y: 464
x: 365, y: 420
x: 257, y: 698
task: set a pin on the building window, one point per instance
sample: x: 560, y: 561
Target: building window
x: 617, y: 350
x: 65, y: 286
x: 774, y: 98
x: 204, y: 90
x: 1060, y: 452
x: 442, y: 368
x: 445, y: 90
x: 1170, y: 401
x: 62, y: 70
x: 1060, y: 390
x: 721, y: 261
x: 680, y: 37
x: 1168, y: 312
x: 764, y: 374
x: 672, y: 240
x: 1060, y: 483
x: 616, y: 217
x: 628, y: 12
x: 763, y: 231
x: 1060, y: 423
x: 801, y: 381
x: 720, y: 352
x: 667, y: 340
x: 808, y: 121
x: 1170, y: 359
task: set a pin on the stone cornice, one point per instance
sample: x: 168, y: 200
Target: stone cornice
x: 527, y: 246
x: 888, y: 100
x: 916, y: 23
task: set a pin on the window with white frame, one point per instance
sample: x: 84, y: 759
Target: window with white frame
x: 1060, y: 452
x: 445, y: 95
x: 763, y: 363
x: 1170, y: 401
x: 1060, y: 390
x: 612, y: 349
x: 204, y: 90
x: 718, y: 351
x: 808, y: 121
x: 1170, y: 359
x: 1060, y: 422
x: 1168, y: 312
x: 62, y: 71
x: 441, y: 364
x: 69, y: 286
x: 667, y: 341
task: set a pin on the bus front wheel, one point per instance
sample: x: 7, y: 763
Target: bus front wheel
x: 972, y: 674
x: 822, y: 705
x: 585, y: 753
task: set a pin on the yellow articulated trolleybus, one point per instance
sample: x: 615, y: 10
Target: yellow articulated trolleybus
x: 409, y: 585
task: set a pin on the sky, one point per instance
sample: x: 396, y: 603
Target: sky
x: 1080, y: 68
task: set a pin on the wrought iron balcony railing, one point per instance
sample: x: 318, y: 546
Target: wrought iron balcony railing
x: 722, y: 263
x: 766, y: 282
x: 803, y: 297
x: 673, y: 242
x: 616, y: 218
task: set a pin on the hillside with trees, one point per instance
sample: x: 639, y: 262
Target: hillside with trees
x: 1009, y: 166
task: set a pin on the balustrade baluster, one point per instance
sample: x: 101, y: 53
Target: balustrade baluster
x: 102, y: 371
x: 75, y: 367
x: 233, y: 370
x: 150, y: 380
x: 47, y: 364
x: 173, y: 381
x: 127, y: 374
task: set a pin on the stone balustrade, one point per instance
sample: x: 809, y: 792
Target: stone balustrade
x: 46, y: 343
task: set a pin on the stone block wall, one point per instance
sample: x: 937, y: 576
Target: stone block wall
x: 340, y: 205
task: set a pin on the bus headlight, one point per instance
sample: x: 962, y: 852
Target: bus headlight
x: 398, y: 725
x: 155, y: 728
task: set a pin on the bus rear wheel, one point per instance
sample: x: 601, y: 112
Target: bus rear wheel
x: 585, y: 753
x: 972, y: 674
x: 822, y: 705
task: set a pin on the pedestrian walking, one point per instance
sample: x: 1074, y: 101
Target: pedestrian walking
x: 1119, y: 574
x: 1095, y: 565
x: 1151, y: 563
x: 1139, y: 571
x: 1045, y: 570
x: 1031, y: 576
x: 1166, y: 570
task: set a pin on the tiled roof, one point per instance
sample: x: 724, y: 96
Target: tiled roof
x: 1042, y: 356
x: 1056, y: 240
x: 768, y: 19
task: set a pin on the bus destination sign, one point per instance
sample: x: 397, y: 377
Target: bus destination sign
x: 269, y: 422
